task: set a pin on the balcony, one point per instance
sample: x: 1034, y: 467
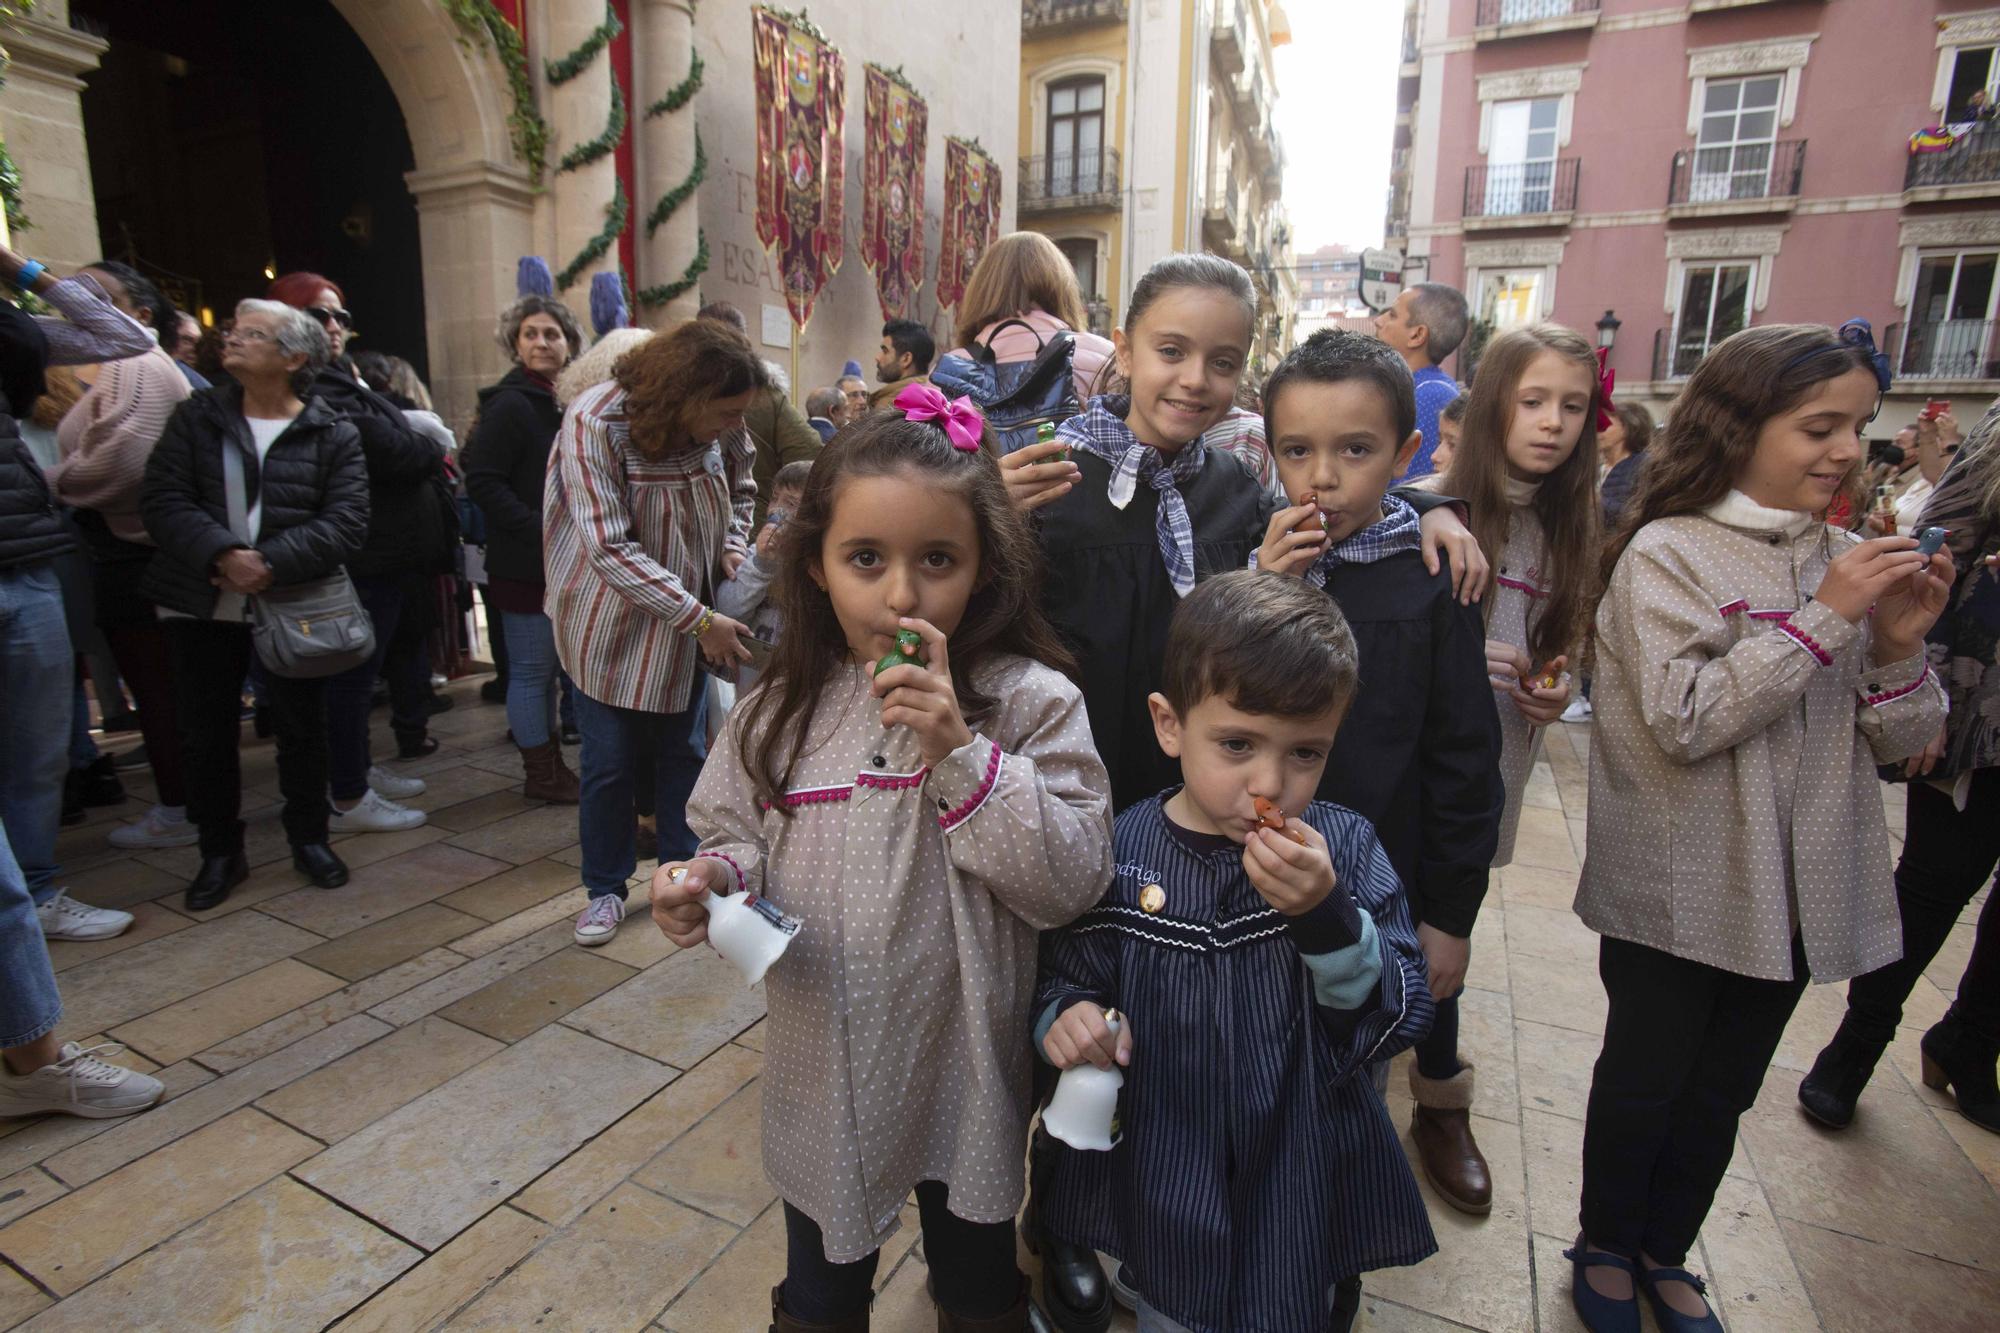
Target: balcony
x: 1947, y: 350
x: 1969, y: 169
x: 1227, y: 40
x: 1222, y: 218
x: 1497, y: 19
x: 1039, y: 17
x: 1520, y: 194
x: 1064, y: 181
x: 1676, y: 362
x: 1740, y: 178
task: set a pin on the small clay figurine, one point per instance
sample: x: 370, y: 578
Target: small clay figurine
x: 1046, y: 434
x: 1930, y: 541
x: 1272, y: 818
x: 909, y: 644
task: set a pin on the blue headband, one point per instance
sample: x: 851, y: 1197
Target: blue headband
x: 1854, y: 333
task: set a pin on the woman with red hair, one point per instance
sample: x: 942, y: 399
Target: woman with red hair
x: 404, y: 546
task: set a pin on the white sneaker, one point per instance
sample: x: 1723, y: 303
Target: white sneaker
x: 64, y: 918
x: 155, y: 828
x: 1578, y: 710
x: 373, y: 814
x: 599, y: 921
x: 78, y: 1083
x: 393, y: 787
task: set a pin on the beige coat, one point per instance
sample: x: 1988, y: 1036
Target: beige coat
x: 1733, y: 795
x: 1518, y: 588
x: 899, y: 1047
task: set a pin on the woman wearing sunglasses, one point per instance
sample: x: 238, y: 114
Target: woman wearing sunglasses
x: 405, y: 535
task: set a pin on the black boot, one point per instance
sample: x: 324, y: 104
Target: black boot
x: 1073, y: 1284
x: 316, y: 861
x: 96, y: 783
x: 212, y: 883
x: 1828, y: 1094
x: 1958, y: 1058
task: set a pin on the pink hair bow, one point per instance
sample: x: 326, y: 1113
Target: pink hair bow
x: 963, y: 425
x: 1607, y: 378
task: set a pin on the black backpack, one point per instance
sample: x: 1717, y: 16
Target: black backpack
x: 1017, y: 397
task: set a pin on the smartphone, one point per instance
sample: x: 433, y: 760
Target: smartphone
x: 760, y: 650
x: 1934, y: 409
x: 1930, y: 541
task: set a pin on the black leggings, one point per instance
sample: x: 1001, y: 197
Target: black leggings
x: 971, y: 1266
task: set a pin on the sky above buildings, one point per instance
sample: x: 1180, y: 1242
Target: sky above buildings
x: 1336, y: 110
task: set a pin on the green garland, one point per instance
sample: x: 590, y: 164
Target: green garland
x: 689, y: 276
x: 478, y: 21
x: 681, y: 93
x: 664, y: 207
x: 573, y: 64
x: 615, y: 219
x: 585, y: 153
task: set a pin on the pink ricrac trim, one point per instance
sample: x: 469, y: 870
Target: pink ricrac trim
x: 742, y: 880
x: 893, y: 781
x: 1778, y: 613
x: 1890, y: 696
x: 813, y: 796
x: 1728, y: 609
x: 952, y: 819
x: 1806, y: 640
x: 1519, y: 586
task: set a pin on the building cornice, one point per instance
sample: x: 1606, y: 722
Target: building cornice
x: 53, y: 52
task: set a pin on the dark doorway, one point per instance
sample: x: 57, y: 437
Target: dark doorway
x: 228, y: 137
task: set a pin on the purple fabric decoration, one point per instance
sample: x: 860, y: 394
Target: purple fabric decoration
x: 852, y: 371
x: 607, y: 303
x: 532, y: 278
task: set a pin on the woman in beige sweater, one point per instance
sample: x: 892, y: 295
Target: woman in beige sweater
x: 106, y: 439
x: 1753, y: 666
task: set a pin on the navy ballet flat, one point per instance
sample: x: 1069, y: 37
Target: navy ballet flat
x: 1601, y: 1313
x: 1669, y: 1319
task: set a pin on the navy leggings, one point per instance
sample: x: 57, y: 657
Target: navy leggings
x: 971, y: 1265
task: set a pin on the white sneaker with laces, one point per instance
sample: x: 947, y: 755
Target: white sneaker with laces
x: 78, y: 1083
x: 599, y: 921
x: 1578, y: 711
x: 374, y: 814
x: 155, y: 828
x: 392, y: 786
x: 64, y: 918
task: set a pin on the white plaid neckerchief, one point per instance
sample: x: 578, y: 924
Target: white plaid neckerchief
x: 1102, y: 430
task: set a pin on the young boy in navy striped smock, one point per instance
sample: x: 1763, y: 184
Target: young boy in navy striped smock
x: 1258, y: 973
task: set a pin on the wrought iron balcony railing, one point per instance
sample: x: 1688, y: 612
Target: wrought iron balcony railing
x: 1070, y: 180
x: 1974, y: 159
x: 1943, y: 349
x: 1038, y: 16
x: 1507, y: 13
x: 1737, y: 173
x: 1520, y: 189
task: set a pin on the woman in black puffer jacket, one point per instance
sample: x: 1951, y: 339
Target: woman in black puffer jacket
x: 306, y: 492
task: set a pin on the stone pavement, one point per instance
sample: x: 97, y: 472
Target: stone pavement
x: 413, y: 1103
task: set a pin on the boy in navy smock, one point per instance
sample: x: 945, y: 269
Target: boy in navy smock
x: 1260, y: 970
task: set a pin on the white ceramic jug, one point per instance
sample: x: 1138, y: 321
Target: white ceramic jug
x: 1084, y: 1111
x: 747, y: 930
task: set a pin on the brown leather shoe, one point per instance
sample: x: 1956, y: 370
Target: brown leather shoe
x: 1441, y: 1127
x: 549, y: 778
x: 784, y: 1323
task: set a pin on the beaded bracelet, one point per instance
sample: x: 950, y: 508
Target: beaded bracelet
x: 700, y: 627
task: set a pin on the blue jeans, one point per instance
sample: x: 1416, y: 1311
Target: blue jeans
x: 531, y: 676
x: 29, y: 1002
x: 616, y: 741
x: 37, y: 675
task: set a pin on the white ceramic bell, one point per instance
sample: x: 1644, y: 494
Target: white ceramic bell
x: 747, y: 930
x: 1084, y: 1111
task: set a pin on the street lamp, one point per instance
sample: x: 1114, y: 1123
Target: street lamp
x: 1607, y: 330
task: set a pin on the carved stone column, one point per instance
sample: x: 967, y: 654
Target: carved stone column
x: 664, y: 154
x: 41, y: 115
x: 578, y: 111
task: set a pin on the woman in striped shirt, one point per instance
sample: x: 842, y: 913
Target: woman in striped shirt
x: 646, y: 512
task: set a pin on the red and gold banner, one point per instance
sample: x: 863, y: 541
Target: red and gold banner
x: 971, y: 215
x: 801, y: 167
x: 895, y: 123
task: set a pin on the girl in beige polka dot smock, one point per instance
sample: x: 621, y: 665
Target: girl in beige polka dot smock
x: 926, y: 807
x: 1753, y: 667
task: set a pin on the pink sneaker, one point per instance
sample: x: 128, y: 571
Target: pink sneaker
x: 599, y: 921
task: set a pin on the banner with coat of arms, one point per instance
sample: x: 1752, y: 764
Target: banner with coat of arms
x: 801, y: 89
x: 971, y: 215
x: 895, y: 124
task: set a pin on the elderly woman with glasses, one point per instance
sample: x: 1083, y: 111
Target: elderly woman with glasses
x: 305, y: 492
x: 410, y: 538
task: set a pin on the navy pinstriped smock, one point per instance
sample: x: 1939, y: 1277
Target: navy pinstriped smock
x: 1258, y: 1165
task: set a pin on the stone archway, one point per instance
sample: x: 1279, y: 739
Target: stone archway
x: 475, y: 203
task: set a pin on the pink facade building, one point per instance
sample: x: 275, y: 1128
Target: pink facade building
x: 1699, y: 167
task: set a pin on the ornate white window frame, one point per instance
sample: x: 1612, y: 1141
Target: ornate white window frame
x: 1956, y: 31
x: 1482, y: 257
x: 1784, y: 55
x: 1560, y: 81
x: 1943, y: 235
x: 1070, y: 67
x: 1758, y: 245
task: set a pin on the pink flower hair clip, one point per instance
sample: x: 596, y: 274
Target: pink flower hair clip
x: 963, y: 425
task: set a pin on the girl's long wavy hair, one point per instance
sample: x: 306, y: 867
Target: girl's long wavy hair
x: 670, y: 377
x: 1566, y: 504
x: 1711, y: 431
x: 1004, y: 614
